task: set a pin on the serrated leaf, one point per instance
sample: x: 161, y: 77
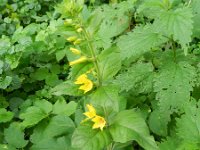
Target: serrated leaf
x: 138, y: 77
x: 177, y: 23
x: 61, y: 107
x: 109, y: 63
x: 188, y: 126
x: 140, y: 41
x: 173, y: 85
x: 15, y: 136
x: 129, y: 125
x: 5, y: 115
x: 86, y: 138
x: 36, y: 113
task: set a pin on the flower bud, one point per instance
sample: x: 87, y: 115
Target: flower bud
x: 68, y: 22
x: 71, y: 38
x: 78, y: 61
x: 75, y: 51
x: 78, y: 41
x: 79, y: 30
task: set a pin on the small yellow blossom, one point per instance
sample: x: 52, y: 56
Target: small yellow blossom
x: 75, y: 51
x: 91, y: 111
x: 78, y: 61
x: 68, y: 22
x: 86, y: 84
x: 79, y: 30
x: 99, y: 122
x: 72, y: 38
x: 78, y: 41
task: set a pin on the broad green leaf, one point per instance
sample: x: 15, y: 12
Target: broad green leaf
x: 79, y: 69
x: 138, y: 77
x: 5, y: 82
x: 59, y: 143
x: 61, y: 107
x: 40, y: 74
x: 14, y: 136
x: 195, y: 4
x: 109, y: 63
x: 86, y: 138
x: 107, y: 98
x: 36, y: 113
x: 177, y: 23
x: 6, y: 147
x: 158, y: 122
x: 1, y: 66
x: 5, y: 116
x: 66, y: 88
x: 57, y: 126
x: 128, y: 125
x: 60, y: 55
x: 140, y: 41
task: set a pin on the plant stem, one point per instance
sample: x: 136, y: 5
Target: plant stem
x: 91, y: 47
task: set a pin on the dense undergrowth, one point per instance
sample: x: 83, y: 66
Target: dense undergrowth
x: 99, y: 75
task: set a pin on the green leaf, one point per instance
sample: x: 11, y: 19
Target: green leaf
x: 57, y: 126
x: 107, y: 98
x: 40, y: 74
x: 140, y: 41
x: 177, y: 23
x: 138, y: 77
x: 66, y: 88
x: 36, y: 113
x: 61, y: 107
x: 5, y: 115
x: 14, y: 135
x: 51, y: 144
x: 188, y: 126
x: 109, y: 63
x: 5, y: 82
x: 86, y: 138
x: 173, y: 85
x: 129, y: 125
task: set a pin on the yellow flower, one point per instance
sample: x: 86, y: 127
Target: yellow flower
x: 91, y: 111
x: 99, y: 122
x: 78, y: 41
x: 86, y: 84
x: 79, y: 30
x: 75, y: 51
x: 71, y: 38
x: 78, y: 61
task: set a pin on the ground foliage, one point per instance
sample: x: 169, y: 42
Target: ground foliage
x: 135, y: 62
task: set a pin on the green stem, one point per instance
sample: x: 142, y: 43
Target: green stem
x: 174, y: 50
x: 91, y: 47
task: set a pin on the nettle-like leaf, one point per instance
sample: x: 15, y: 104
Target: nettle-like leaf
x: 140, y: 41
x: 5, y: 82
x: 14, y: 136
x: 173, y: 85
x: 5, y: 115
x: 129, y: 125
x: 138, y: 77
x: 177, y: 23
x: 188, y: 125
x: 109, y: 63
x: 36, y: 113
x: 86, y: 138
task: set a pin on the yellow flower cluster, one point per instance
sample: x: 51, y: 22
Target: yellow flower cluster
x: 86, y: 84
x: 99, y: 122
